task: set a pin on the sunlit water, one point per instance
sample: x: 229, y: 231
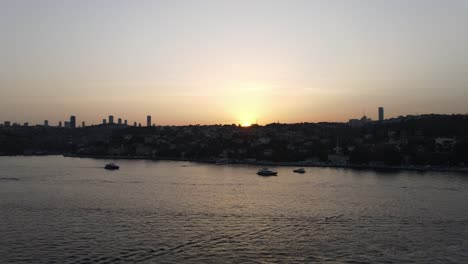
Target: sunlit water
x: 70, y: 210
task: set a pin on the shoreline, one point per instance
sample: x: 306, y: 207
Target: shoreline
x: 287, y: 164
x: 309, y: 164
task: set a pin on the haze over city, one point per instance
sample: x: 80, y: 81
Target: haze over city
x: 209, y: 62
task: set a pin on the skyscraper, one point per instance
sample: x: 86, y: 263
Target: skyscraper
x: 46, y: 122
x: 83, y: 124
x: 125, y: 122
x: 72, y: 122
x: 148, y: 121
x: 111, y: 120
x: 119, y: 121
x: 60, y: 123
x: 381, y: 113
x: 104, y: 121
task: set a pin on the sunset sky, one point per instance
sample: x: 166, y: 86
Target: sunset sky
x: 210, y: 62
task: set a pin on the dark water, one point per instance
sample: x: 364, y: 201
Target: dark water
x: 69, y: 210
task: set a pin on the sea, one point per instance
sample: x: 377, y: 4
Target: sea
x: 56, y: 209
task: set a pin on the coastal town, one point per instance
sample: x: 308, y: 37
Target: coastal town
x: 419, y: 142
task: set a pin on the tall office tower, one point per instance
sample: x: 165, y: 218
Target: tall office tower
x: 83, y: 124
x: 125, y: 122
x: 148, y: 121
x: 72, y: 121
x: 46, y: 122
x: 119, y: 121
x: 104, y: 121
x: 67, y: 124
x: 135, y: 124
x: 60, y: 123
x: 381, y: 114
x: 111, y: 120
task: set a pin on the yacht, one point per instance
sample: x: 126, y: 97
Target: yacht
x: 266, y: 172
x: 111, y: 166
x: 300, y: 170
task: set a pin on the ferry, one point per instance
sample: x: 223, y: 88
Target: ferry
x: 267, y: 172
x: 111, y: 166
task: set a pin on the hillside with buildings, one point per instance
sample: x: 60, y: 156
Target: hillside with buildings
x: 435, y: 140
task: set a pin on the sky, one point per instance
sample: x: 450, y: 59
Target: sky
x: 239, y: 61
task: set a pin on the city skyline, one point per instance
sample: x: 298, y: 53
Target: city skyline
x: 224, y: 62
x: 355, y: 121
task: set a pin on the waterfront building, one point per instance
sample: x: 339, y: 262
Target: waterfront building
x: 7, y: 123
x: 119, y: 121
x: 83, y: 124
x: 104, y: 121
x: 111, y: 120
x: 46, y: 122
x: 60, y: 123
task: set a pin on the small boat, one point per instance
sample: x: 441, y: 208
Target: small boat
x: 111, y: 166
x: 266, y: 172
x: 300, y: 170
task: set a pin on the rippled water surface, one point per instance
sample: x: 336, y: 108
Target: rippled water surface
x: 69, y: 210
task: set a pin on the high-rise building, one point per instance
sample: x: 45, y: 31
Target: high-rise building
x: 381, y: 113
x: 72, y: 121
x: 67, y: 124
x: 60, y: 123
x: 83, y: 124
x: 104, y: 121
x: 7, y: 123
x: 46, y: 122
x: 148, y: 121
x: 135, y: 124
x: 119, y: 121
x: 111, y: 120
x: 26, y: 124
x: 125, y: 122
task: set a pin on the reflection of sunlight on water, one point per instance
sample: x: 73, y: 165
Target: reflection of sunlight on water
x: 185, y: 212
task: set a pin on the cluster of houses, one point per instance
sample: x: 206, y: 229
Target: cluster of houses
x: 426, y: 140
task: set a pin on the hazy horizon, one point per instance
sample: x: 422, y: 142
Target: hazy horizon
x: 211, y: 62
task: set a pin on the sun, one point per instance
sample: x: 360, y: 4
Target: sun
x: 246, y: 124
